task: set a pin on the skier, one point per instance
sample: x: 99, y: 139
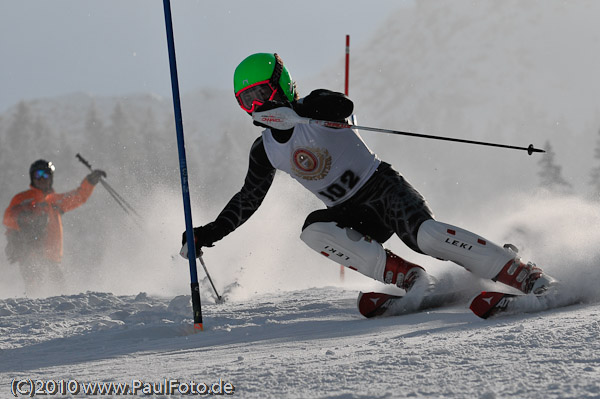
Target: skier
x: 34, y: 226
x: 367, y: 201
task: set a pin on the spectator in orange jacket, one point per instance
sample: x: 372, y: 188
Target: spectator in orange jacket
x: 34, y: 227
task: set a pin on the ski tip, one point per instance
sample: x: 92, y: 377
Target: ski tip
x: 372, y: 304
x: 484, y: 304
x: 198, y: 327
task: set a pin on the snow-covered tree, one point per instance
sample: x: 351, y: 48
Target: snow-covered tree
x: 18, y: 147
x: 20, y: 132
x: 551, y: 173
x: 119, y: 138
x: 595, y: 173
x: 94, y: 129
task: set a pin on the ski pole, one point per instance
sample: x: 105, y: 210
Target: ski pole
x: 196, y: 305
x: 284, y: 118
x: 108, y: 188
x: 219, y: 297
x: 184, y: 253
x: 119, y: 199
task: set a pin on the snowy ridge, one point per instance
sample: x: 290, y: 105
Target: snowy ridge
x: 102, y: 325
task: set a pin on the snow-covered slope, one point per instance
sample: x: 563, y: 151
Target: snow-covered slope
x: 270, y: 340
x: 302, y: 344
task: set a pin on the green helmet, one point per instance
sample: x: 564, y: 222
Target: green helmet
x: 263, y: 67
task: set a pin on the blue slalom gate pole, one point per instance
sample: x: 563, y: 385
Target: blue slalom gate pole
x: 189, y: 227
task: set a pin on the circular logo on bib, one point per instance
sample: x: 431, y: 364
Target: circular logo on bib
x: 305, y: 160
x: 311, y: 163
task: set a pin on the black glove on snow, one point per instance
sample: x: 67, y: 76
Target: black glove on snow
x: 95, y: 176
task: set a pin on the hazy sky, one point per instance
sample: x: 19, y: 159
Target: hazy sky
x: 108, y: 47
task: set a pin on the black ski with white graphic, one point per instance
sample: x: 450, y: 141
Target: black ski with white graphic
x: 373, y: 304
x: 489, y: 303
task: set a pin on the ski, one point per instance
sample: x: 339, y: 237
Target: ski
x: 374, y: 304
x: 490, y: 303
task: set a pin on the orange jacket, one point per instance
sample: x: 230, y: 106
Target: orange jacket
x: 54, y: 205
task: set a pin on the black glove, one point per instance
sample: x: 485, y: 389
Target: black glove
x: 203, y: 237
x: 326, y: 105
x: 95, y: 176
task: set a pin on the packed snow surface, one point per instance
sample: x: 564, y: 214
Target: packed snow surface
x: 301, y: 344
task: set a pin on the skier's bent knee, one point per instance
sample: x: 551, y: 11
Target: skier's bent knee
x: 349, y: 248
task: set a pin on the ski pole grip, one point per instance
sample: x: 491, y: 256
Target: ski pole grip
x: 282, y: 118
x: 83, y: 161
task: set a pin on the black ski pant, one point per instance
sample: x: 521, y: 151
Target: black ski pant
x: 385, y: 205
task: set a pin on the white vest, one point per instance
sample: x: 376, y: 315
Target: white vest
x: 332, y: 163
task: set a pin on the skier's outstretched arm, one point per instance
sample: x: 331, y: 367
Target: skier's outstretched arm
x: 73, y: 199
x: 243, y: 204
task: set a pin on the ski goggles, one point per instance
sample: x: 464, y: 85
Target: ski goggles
x: 255, y: 95
x: 41, y: 174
